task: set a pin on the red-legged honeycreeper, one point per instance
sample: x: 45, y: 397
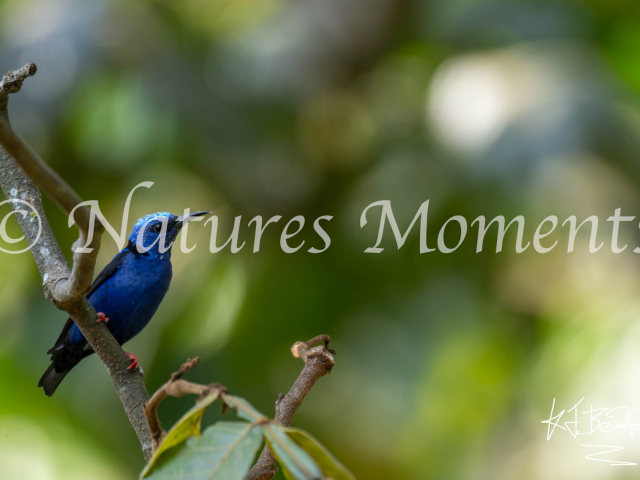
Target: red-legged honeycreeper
x: 126, y: 294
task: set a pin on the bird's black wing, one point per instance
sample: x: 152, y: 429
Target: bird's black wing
x: 106, y: 273
x: 63, y: 335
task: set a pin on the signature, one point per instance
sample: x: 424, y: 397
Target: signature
x: 595, y: 420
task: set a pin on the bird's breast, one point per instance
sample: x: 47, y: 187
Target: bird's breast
x: 131, y: 298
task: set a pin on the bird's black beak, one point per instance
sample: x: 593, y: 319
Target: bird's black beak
x: 187, y: 218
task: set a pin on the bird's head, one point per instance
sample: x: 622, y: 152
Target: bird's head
x: 158, y: 231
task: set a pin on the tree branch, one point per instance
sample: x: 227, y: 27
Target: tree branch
x: 20, y: 170
x: 63, y: 289
x: 318, y: 362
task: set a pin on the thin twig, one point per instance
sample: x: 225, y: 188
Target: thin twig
x: 175, y: 387
x: 65, y: 288
x: 318, y: 362
x: 186, y: 367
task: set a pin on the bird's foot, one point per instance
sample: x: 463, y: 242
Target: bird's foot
x: 134, y: 362
x: 102, y: 318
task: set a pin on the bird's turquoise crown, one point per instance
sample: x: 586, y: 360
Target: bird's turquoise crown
x: 152, y: 216
x: 147, y: 220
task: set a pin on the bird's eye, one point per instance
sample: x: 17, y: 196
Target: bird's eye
x: 156, y: 228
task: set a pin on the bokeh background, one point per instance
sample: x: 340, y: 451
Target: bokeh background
x: 446, y: 364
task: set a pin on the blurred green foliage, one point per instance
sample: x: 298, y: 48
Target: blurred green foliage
x: 446, y: 364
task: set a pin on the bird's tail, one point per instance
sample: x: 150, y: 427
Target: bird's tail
x: 51, y: 379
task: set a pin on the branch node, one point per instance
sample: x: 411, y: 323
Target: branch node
x: 303, y: 349
x: 13, y: 79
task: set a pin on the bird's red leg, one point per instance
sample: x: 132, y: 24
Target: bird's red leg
x: 102, y: 318
x: 134, y: 361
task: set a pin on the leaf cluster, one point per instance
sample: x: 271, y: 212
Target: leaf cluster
x: 226, y: 450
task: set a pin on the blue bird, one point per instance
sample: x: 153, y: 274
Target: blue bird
x: 126, y: 294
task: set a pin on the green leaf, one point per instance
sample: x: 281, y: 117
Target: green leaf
x: 295, y: 462
x: 225, y: 451
x: 189, y: 425
x: 244, y: 409
x: 330, y: 466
